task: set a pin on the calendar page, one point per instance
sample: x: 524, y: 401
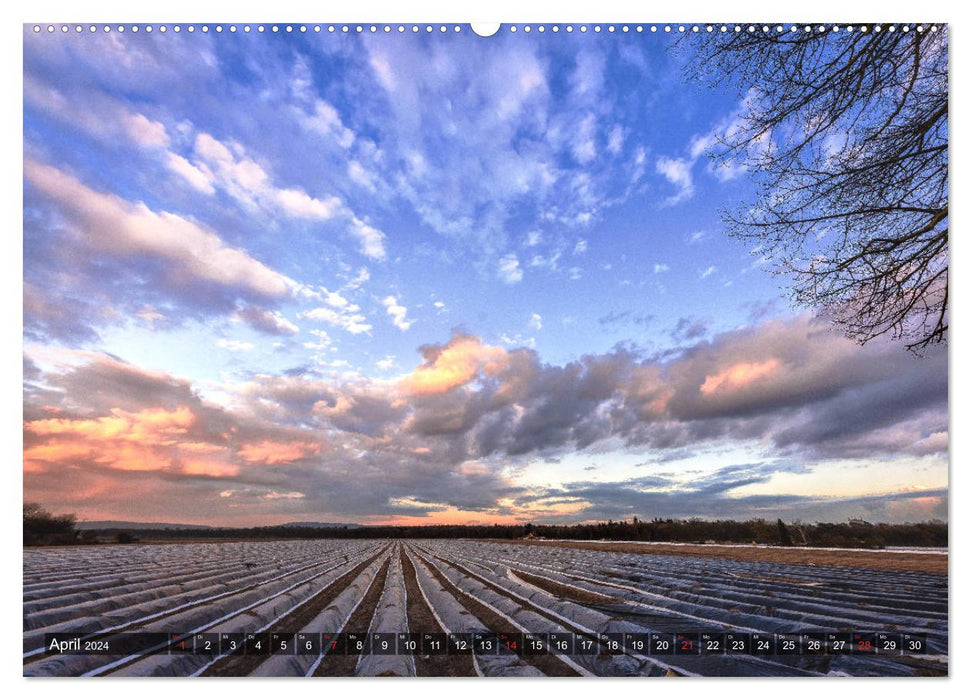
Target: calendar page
x: 451, y: 350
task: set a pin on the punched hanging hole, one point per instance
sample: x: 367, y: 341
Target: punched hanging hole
x: 485, y: 28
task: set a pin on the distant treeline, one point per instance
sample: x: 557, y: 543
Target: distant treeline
x: 41, y: 527
x: 854, y: 533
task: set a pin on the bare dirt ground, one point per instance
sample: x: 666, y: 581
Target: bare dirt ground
x: 930, y: 562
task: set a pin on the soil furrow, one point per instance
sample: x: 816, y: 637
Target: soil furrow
x: 344, y: 664
x: 420, y: 619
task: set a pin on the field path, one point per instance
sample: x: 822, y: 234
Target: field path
x: 882, y: 559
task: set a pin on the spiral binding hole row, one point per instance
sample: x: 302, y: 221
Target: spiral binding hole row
x: 512, y: 28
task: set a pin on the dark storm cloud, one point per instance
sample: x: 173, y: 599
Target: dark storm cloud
x: 292, y: 397
x: 808, y: 392
x: 383, y: 482
x: 368, y: 415
x: 104, y: 383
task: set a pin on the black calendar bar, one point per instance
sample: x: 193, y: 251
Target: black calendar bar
x: 486, y: 643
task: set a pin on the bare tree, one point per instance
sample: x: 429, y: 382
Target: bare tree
x: 846, y: 135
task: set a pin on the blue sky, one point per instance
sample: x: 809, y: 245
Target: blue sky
x: 426, y: 277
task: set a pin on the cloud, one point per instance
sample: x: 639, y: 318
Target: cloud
x: 124, y: 64
x: 150, y: 316
x: 145, y: 132
x: 290, y: 495
x: 464, y: 172
x: 337, y: 300
x: 249, y: 183
x: 272, y: 452
x: 660, y: 267
x: 615, y: 140
x: 322, y: 342
x: 363, y: 177
x: 688, y: 329
x: 298, y: 204
x: 619, y: 317
x: 353, y: 323
x: 587, y: 79
x: 122, y: 433
x: 536, y: 322
x: 509, y: 270
x: 497, y: 146
x: 723, y: 168
x: 584, y: 148
x: 115, y: 226
x: 517, y: 340
x: 106, y: 259
x: 265, y: 321
x: 66, y: 318
x: 549, y: 262
x: 235, y: 345
x: 95, y: 113
x: 677, y: 171
x: 794, y: 385
x: 413, y: 135
x: 452, y: 365
x: 397, y: 312
x: 327, y: 121
x: 371, y: 239
x: 739, y: 376
x: 387, y: 363
x: 200, y: 179
x: 166, y: 428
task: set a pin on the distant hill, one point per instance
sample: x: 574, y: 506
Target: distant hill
x: 349, y: 526
x: 129, y: 525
